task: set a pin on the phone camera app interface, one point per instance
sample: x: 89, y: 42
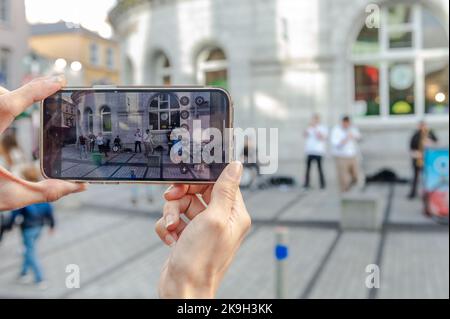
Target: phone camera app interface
x: 139, y: 135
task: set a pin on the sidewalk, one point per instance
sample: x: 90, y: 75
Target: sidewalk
x: 120, y: 256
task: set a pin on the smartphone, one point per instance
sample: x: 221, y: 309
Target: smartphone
x: 136, y: 135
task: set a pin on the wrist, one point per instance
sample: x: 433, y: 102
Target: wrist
x: 172, y: 287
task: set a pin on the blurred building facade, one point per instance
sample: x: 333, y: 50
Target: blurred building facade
x: 86, y: 57
x: 383, y: 62
x: 13, y: 42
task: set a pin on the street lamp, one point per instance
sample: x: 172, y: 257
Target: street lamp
x: 60, y: 64
x: 76, y: 66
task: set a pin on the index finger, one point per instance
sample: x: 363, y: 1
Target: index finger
x: 15, y: 102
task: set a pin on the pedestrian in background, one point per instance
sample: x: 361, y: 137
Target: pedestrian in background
x: 100, y: 141
x: 138, y: 141
x: 316, y: 136
x: 421, y: 138
x: 82, y: 144
x: 148, y: 144
x: 344, y: 141
x: 92, y: 138
x: 33, y: 219
x: 13, y: 158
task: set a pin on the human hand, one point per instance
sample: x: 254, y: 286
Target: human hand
x: 203, y: 249
x: 350, y: 136
x: 16, y: 192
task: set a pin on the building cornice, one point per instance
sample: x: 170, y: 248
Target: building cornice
x: 123, y: 6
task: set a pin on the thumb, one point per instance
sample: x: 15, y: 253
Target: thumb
x: 224, y: 191
x: 51, y: 190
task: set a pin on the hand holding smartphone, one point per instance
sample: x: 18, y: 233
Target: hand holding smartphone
x: 136, y: 135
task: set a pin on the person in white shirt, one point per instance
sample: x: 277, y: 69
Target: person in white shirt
x: 148, y: 143
x: 344, y: 142
x: 100, y: 141
x: 137, y: 141
x: 315, y: 148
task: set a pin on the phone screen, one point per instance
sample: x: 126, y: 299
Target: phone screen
x: 136, y: 135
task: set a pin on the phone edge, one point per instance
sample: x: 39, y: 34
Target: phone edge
x: 114, y: 88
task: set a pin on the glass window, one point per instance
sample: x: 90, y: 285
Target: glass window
x: 216, y: 78
x: 399, y: 14
x: 367, y: 90
x: 399, y: 18
x: 175, y: 119
x: 436, y: 87
x: 389, y: 70
x: 400, y: 39
x: 93, y: 53
x: 105, y: 116
x: 164, y: 112
x: 401, y: 88
x: 110, y: 58
x: 433, y: 32
x: 212, y: 68
x: 154, y: 121
x: 4, y: 67
x: 4, y: 11
x: 129, y: 71
x: 89, y: 118
x: 163, y: 70
x: 367, y: 41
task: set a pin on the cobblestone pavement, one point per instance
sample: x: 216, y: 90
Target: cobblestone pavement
x: 119, y: 255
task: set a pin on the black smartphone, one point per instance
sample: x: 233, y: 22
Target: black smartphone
x: 136, y: 135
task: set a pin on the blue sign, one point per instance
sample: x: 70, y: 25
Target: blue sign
x: 281, y: 252
x: 435, y: 170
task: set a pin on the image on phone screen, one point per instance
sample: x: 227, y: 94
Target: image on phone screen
x: 136, y: 135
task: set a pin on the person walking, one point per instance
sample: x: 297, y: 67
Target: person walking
x: 82, y: 141
x: 100, y: 141
x: 315, y: 148
x: 12, y: 155
x: 33, y: 219
x: 137, y: 141
x: 345, y: 149
x: 117, y: 144
x: 421, y: 138
x: 148, y: 143
x: 92, y: 139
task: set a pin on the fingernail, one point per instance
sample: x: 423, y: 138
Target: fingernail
x: 170, y: 240
x: 235, y: 170
x: 168, y: 189
x: 169, y: 220
x: 57, y: 78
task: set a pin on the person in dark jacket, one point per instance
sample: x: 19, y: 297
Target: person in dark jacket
x: 421, y: 138
x: 33, y: 219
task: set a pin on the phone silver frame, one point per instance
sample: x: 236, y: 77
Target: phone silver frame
x: 124, y: 88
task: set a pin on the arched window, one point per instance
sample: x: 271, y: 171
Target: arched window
x: 162, y: 70
x: 105, y: 118
x: 89, y: 120
x: 401, y: 68
x: 78, y: 119
x: 128, y: 72
x: 212, y: 68
x: 164, y: 112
